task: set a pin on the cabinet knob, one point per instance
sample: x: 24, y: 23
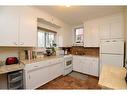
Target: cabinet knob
x: 21, y: 43
x: 15, y: 43
x: 35, y: 66
x: 114, y: 41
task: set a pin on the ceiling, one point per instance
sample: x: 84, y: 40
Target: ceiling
x: 75, y: 15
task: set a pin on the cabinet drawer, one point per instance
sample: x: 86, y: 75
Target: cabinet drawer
x: 42, y: 64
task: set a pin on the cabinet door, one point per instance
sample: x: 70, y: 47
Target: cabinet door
x: 94, y: 67
x: 37, y: 78
x: 104, y: 31
x: 91, y: 35
x: 87, y: 35
x: 86, y: 66
x: 116, y: 29
x: 116, y: 60
x: 28, y: 28
x: 114, y: 46
x: 9, y: 26
x: 95, y: 36
x: 77, y: 64
x: 55, y: 71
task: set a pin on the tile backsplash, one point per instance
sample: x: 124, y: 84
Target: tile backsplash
x: 8, y: 52
x: 89, y: 51
x: 19, y: 52
x: 11, y: 51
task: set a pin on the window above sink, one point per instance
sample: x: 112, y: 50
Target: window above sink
x: 46, y: 38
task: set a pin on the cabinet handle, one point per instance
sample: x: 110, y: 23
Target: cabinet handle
x: 35, y: 66
x: 107, y: 41
x: 21, y: 43
x: 114, y: 41
x: 15, y: 43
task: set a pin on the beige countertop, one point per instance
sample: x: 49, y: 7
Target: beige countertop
x: 10, y: 68
x: 113, y: 77
x: 39, y: 59
x: 14, y: 67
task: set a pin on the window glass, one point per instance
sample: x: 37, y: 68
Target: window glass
x: 46, y: 39
x: 41, y: 39
x: 79, y: 35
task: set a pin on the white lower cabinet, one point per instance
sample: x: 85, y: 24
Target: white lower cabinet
x: 77, y: 64
x: 40, y: 75
x: 94, y: 68
x: 86, y: 65
x: 37, y: 78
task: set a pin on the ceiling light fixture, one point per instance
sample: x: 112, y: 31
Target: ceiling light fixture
x: 67, y: 5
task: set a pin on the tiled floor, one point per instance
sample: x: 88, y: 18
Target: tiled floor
x: 70, y: 82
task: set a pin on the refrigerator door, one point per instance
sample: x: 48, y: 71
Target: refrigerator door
x: 116, y: 60
x: 114, y: 46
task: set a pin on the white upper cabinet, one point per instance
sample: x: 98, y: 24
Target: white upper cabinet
x: 112, y: 27
x: 91, y: 34
x: 109, y: 27
x: 9, y: 26
x: 116, y: 29
x: 28, y: 28
x: 18, y: 26
x: 104, y: 31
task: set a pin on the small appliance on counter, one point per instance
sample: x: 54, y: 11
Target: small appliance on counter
x: 67, y: 50
x: 12, y: 60
x: 37, y: 54
x: 48, y: 52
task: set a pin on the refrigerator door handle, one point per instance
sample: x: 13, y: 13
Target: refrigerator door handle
x: 114, y: 41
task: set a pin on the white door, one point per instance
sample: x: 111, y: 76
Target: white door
x: 116, y: 29
x: 114, y: 46
x: 55, y: 71
x: 94, y: 67
x: 87, y: 35
x: 9, y: 26
x: 95, y: 36
x: 91, y: 34
x: 37, y: 78
x: 116, y: 60
x: 28, y: 27
x: 86, y: 66
x: 77, y: 64
x: 104, y: 31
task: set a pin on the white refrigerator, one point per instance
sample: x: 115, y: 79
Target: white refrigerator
x: 112, y: 52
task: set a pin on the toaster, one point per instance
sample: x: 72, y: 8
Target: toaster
x: 12, y: 60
